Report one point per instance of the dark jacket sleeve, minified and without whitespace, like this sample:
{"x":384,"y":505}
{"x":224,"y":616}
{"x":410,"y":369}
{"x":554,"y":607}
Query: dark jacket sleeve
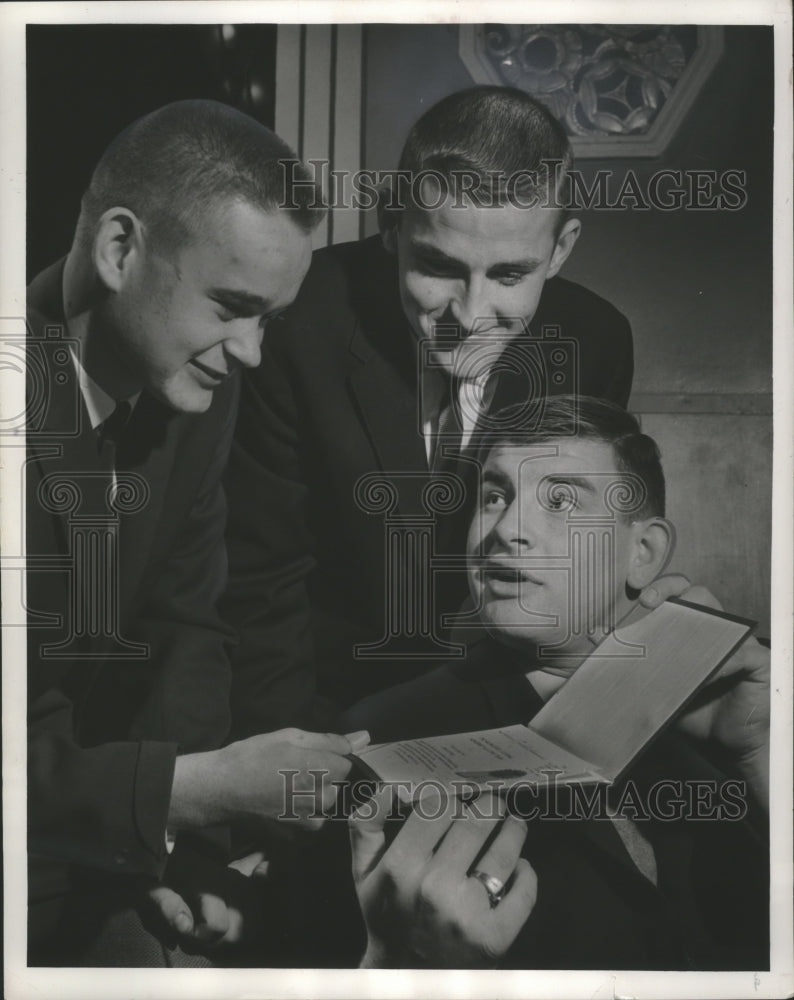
{"x":104,"y":807}
{"x":103,"y":736}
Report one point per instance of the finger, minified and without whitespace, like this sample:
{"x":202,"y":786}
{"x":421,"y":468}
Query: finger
{"x":235,"y":926}
{"x":212,"y":915}
{"x":172,"y":908}
{"x":331,"y":742}
{"x":365,"y":825}
{"x":426,"y":827}
{"x":751,"y":659}
{"x":469,"y":831}
{"x":672,"y":585}
{"x":501,"y":857}
{"x":249,"y":864}
{"x":358,"y":740}
{"x":519,"y":901}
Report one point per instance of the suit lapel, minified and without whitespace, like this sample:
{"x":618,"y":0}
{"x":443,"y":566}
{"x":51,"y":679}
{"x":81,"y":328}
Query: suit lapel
{"x":145,"y":455}
{"x":387,"y":400}
{"x":62,"y":443}
{"x":383,"y":382}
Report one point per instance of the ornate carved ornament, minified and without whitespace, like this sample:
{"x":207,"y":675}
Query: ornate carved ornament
{"x":617,"y":89}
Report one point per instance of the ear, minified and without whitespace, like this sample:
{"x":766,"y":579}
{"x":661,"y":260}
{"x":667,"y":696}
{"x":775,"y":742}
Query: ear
{"x":652,"y":545}
{"x":388,"y":216}
{"x":566,"y":241}
{"x":388,"y":221}
{"x":118,"y":243}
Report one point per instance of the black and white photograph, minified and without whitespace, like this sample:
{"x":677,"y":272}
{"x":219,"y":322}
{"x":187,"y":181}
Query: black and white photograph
{"x":396,"y":454}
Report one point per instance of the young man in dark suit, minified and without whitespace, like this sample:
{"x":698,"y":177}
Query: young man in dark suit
{"x":385,"y":369}
{"x":673,"y":880}
{"x":182,"y":252}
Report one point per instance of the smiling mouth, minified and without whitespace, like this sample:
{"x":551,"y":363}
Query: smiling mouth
{"x":211,"y":373}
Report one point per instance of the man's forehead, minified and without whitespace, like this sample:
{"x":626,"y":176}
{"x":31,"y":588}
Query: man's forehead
{"x":559,"y":456}
{"x":231,"y":221}
{"x":466,"y":222}
{"x":250,"y":250}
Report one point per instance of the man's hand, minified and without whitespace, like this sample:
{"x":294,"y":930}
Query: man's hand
{"x":731,"y":715}
{"x":420,"y":905}
{"x":287,"y":775}
{"x":201,"y":904}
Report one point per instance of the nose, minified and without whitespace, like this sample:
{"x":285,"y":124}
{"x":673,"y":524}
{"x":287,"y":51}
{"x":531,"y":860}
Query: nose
{"x":245,"y":345}
{"x":470,"y":307}
{"x":515,"y":530}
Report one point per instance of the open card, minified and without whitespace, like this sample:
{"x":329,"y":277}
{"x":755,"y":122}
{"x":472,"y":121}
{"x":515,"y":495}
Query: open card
{"x":624,"y":694}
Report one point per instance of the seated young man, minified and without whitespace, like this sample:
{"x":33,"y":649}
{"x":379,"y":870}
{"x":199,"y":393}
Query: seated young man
{"x":653,"y":888}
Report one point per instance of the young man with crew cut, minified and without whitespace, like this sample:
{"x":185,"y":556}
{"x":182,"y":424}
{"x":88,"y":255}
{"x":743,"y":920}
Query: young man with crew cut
{"x":181,"y":255}
{"x":386,"y":368}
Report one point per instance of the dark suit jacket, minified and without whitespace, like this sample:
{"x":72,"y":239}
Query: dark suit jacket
{"x":335,"y":399}
{"x":594,"y":908}
{"x":109,"y":712}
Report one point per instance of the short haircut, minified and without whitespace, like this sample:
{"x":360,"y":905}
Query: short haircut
{"x":568,"y":417}
{"x":501,"y":136}
{"x":171,"y":165}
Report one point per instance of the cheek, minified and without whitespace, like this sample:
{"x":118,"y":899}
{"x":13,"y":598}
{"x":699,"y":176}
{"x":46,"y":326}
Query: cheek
{"x":422,"y":294}
{"x":478,"y":532}
{"x":521,"y":300}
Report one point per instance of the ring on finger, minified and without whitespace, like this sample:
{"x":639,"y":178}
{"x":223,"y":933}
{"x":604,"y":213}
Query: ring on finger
{"x":494,"y":886}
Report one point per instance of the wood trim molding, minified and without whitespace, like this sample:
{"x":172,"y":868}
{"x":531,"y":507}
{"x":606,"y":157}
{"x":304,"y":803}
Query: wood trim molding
{"x":319,"y":112}
{"x":733,"y":403}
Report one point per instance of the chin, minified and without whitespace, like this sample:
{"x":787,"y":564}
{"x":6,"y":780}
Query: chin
{"x":191,"y":400}
{"x":443,"y":358}
{"x":508,"y":622}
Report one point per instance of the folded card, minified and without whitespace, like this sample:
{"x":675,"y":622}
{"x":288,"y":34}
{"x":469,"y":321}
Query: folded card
{"x":622,"y":696}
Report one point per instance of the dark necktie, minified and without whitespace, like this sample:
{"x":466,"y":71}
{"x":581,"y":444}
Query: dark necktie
{"x":448,"y":430}
{"x":109,"y":433}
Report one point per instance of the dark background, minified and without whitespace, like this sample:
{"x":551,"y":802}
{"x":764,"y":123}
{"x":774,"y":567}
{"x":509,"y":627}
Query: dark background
{"x":87,"y":82}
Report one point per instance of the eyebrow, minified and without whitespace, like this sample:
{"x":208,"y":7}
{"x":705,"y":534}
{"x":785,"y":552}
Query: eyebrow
{"x":432,"y":253}
{"x":493,"y":477}
{"x":240,"y":299}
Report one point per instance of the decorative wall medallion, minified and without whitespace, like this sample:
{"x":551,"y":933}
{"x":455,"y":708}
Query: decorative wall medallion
{"x":617,"y":89}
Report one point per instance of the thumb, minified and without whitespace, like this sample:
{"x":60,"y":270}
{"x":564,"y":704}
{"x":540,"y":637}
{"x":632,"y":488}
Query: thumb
{"x":172,"y":908}
{"x":367,"y":839}
{"x":332,"y":742}
{"x":656,"y":593}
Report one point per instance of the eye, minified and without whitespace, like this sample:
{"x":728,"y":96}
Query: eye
{"x":511,"y":278}
{"x":433,"y":270}
{"x":228,"y":314}
{"x":436,"y":268}
{"x":493,"y":499}
{"x":560,"y":497}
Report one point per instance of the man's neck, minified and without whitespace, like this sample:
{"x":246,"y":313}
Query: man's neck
{"x":550,"y":672}
{"x":83,"y":297}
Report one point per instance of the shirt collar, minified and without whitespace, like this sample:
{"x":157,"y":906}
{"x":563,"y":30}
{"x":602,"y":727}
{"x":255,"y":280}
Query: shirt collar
{"x":98,"y":403}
